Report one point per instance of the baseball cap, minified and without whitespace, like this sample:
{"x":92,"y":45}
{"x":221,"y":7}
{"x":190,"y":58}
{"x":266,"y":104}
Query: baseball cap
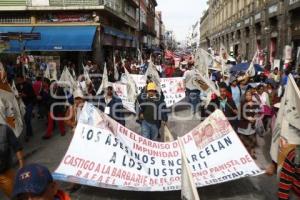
{"x":33,"y":179}
{"x":151,"y":86}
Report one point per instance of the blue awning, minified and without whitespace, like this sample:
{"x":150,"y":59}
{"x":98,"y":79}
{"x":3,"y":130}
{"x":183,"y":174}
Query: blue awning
{"x":14,"y":45}
{"x":66,"y":38}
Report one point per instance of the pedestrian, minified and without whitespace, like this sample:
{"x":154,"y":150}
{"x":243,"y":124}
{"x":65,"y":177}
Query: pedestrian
{"x":8,"y":142}
{"x":35,"y":182}
{"x":26,"y":91}
{"x":226,"y":104}
{"x":56,"y":110}
{"x":235,"y":91}
{"x":265,"y":105}
{"x":275,"y":75}
{"x":38,"y":87}
{"x":112,"y":105}
{"x":73,"y":112}
{"x":192,"y":90}
{"x":151,"y":111}
{"x":246,"y":126}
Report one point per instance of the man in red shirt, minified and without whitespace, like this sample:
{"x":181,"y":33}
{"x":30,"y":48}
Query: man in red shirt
{"x":290,"y":175}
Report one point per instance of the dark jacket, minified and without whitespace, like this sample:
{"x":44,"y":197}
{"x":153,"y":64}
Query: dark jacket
{"x":60,"y":102}
{"x":8,"y":142}
{"x":228,"y":111}
{"x":27,"y":89}
{"x":148,"y":107}
{"x":116,"y":108}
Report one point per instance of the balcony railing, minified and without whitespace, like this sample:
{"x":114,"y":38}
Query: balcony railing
{"x":76,"y":2}
{"x":114,"y":5}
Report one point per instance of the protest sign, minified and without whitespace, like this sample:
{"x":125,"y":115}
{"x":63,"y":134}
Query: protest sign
{"x":106,"y":154}
{"x":286,"y":129}
{"x":122,"y":92}
{"x":173,"y":89}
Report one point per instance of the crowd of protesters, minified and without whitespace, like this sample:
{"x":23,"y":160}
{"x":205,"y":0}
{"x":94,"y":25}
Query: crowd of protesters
{"x":250,"y":104}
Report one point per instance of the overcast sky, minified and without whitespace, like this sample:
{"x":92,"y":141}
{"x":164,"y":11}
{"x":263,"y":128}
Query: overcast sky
{"x":180,"y":15}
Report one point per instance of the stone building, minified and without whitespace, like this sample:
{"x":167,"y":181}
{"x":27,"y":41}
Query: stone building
{"x":244,"y":26}
{"x":89,"y":29}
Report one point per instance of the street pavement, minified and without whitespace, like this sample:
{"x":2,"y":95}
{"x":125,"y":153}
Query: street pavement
{"x":50,"y":153}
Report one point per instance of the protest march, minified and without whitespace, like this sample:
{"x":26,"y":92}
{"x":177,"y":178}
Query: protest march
{"x":128,"y":112}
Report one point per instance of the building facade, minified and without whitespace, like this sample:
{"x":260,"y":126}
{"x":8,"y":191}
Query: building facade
{"x":90,"y":29}
{"x":244,"y":26}
{"x":193,"y":39}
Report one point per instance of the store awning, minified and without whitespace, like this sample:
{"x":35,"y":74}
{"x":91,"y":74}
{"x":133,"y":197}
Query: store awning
{"x":117,"y":33}
{"x":15,"y":46}
{"x":66,"y":38}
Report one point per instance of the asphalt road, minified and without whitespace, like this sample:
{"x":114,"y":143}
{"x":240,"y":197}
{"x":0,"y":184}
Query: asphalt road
{"x":50,"y":152}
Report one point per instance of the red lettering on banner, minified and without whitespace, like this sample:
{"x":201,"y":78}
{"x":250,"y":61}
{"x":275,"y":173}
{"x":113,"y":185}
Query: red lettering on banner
{"x":246,"y":159}
{"x":79,"y":172}
{"x":187,"y":138}
{"x":226,"y":166}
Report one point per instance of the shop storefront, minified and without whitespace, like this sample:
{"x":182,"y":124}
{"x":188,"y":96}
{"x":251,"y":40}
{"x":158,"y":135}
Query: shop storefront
{"x":114,"y":39}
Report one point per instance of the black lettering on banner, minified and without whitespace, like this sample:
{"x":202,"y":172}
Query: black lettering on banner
{"x":98,"y":136}
{"x":90,"y":134}
{"x":113,"y":158}
{"x":108,"y":140}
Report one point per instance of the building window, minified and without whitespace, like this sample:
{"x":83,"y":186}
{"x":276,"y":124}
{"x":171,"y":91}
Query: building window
{"x":15,"y":20}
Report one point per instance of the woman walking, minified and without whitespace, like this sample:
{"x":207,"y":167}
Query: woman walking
{"x":246,"y":128}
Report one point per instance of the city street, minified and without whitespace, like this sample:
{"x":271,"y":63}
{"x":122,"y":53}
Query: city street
{"x":148,"y":66}
{"x":50,"y":152}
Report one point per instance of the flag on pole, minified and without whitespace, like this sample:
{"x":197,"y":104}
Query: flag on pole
{"x":188,"y":186}
{"x":153,"y":75}
{"x":291,"y":112}
{"x":287,"y":123}
{"x":140,"y":58}
{"x":168,"y":137}
{"x":67,"y":77}
{"x":116,"y":73}
{"x":224,"y":58}
{"x":47,"y":73}
{"x":203,"y":60}
{"x":104,"y":82}
{"x":251,"y":70}
{"x":132,"y":90}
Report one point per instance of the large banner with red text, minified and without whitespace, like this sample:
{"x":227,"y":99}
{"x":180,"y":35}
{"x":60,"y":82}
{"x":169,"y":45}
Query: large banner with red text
{"x":106,"y":154}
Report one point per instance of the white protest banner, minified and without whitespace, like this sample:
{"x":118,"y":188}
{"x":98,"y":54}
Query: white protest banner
{"x":122,"y":92}
{"x":139,"y":81}
{"x":291,"y":112}
{"x":286,"y":130}
{"x":188,"y":187}
{"x":173,"y":89}
{"x":106,"y":154}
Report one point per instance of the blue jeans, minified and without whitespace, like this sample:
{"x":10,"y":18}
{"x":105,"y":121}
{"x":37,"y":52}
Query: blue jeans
{"x":193,"y":97}
{"x":149,"y":130}
{"x":27,"y":119}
